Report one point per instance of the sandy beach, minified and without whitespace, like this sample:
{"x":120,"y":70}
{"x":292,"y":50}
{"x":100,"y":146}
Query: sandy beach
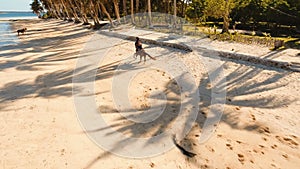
{"x":40,"y":128}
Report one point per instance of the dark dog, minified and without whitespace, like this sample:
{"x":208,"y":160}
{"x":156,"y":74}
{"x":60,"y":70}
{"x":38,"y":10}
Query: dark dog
{"x":21,"y":31}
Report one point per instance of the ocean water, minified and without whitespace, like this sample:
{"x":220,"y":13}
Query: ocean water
{"x":7,"y":35}
{"x":4,"y":15}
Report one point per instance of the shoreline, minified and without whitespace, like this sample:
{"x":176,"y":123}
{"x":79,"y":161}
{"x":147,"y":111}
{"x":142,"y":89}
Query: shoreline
{"x":8,"y":35}
{"x":17,"y":19}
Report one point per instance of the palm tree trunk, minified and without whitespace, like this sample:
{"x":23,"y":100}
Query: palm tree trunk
{"x":60,"y":9}
{"x":116,"y":6}
{"x":73,"y":11}
{"x":94,"y":15}
{"x":53,"y":10}
{"x":66,"y":10}
{"x":137,"y":5}
{"x":80,"y":5}
{"x":149,"y":13}
{"x":132,"y":12}
{"x":175,"y":13}
{"x":124,"y":10}
{"x":106,"y":13}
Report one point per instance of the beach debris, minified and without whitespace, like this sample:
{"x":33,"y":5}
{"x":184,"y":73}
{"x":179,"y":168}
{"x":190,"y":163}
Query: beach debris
{"x":183,"y":151}
{"x":278,"y":44}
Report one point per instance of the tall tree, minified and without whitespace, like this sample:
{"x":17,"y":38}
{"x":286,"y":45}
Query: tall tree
{"x":137,"y":5}
{"x":73,"y":10}
{"x":117,"y":11}
{"x":132,"y":12}
{"x":36,"y":7}
{"x":195,"y":10}
{"x":104,"y":10}
{"x":220,"y":9}
{"x":175,"y":13}
{"x":149,"y":13}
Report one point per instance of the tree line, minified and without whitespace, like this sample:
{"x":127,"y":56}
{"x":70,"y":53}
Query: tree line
{"x":271,"y":13}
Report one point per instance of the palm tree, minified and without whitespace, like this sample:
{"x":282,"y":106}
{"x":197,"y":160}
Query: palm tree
{"x":73,"y":10}
{"x":82,"y":6}
{"x":103,"y":8}
{"x":48,"y":4}
{"x":36,"y":8}
{"x":116,"y":6}
{"x":65,"y":9}
{"x":137,"y":3}
{"x":175,"y":13}
{"x":132,"y":12}
{"x":91,"y":7}
{"x":124,"y":10}
{"x":149,"y":13}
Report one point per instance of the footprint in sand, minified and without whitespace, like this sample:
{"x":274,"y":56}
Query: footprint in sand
{"x":264,"y":138}
{"x":210,"y":149}
{"x":274,"y":146}
{"x":239,"y":142}
{"x":241,"y":158}
{"x":229,"y":146}
{"x":288,"y":141}
{"x":264,"y":130}
{"x":285,"y":156}
{"x":257,"y":151}
{"x":253,"y":117}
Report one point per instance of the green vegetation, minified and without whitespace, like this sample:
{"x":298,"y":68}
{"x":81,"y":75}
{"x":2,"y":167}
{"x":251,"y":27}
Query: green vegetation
{"x":265,"y":18}
{"x":36,"y":7}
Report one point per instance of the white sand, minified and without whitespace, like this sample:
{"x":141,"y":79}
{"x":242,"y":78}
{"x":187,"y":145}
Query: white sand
{"x":39,"y":126}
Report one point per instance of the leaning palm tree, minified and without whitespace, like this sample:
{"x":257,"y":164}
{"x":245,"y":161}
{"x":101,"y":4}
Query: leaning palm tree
{"x":66,"y":10}
{"x":49,"y":6}
{"x":117,"y":12}
{"x":82,"y":5}
{"x":103,"y":9}
{"x":93,"y":7}
{"x":73,"y":11}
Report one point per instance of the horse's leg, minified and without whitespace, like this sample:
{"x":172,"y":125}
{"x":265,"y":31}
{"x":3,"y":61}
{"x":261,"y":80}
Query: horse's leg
{"x":140,"y":58}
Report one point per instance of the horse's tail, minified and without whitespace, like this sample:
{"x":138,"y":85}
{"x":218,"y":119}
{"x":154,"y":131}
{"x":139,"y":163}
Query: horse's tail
{"x":153,"y":58}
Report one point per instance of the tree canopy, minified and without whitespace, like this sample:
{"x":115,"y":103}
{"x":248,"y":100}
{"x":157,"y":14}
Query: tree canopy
{"x":245,"y":12}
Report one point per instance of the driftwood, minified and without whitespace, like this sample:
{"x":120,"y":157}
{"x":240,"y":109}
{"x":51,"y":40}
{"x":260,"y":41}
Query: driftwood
{"x":258,"y":60}
{"x":278,"y":44}
{"x":150,"y":41}
{"x":228,"y":55}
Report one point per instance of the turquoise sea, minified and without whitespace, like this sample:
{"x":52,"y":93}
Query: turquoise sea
{"x":7,"y":35}
{"x":11,"y":15}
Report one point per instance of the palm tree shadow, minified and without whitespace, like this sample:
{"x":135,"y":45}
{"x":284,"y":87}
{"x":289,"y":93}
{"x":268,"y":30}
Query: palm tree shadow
{"x":242,"y":81}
